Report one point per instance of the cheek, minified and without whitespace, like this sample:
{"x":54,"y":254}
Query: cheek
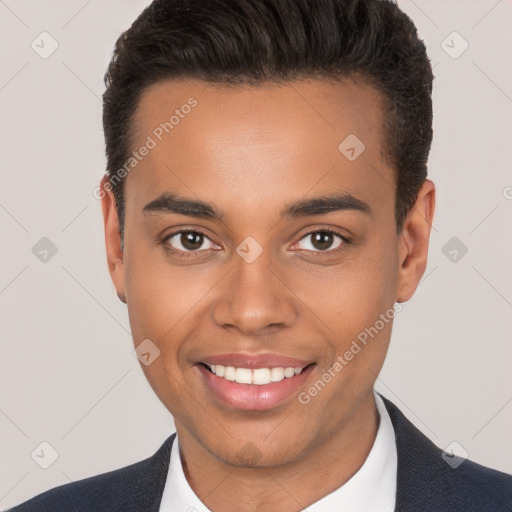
{"x":164,"y":302}
{"x":350,"y":299}
{"x":355,"y":292}
{"x":161,"y":296}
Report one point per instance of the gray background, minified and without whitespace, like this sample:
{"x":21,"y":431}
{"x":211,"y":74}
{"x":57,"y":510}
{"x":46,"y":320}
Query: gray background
{"x":67,"y":372}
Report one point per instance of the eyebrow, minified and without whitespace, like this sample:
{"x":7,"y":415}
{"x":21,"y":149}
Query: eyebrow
{"x":174,"y":203}
{"x":325,"y":204}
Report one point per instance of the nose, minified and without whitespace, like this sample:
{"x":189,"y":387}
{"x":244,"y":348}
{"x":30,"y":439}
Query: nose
{"x":254,"y":299}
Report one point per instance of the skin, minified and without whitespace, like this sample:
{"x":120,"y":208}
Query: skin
{"x":250,"y":152}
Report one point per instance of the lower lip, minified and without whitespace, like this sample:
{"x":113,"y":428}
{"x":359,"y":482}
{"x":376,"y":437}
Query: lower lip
{"x":252,"y":396}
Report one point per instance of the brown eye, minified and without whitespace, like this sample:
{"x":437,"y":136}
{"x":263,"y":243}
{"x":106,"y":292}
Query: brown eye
{"x":321,"y":241}
{"x":190,"y":241}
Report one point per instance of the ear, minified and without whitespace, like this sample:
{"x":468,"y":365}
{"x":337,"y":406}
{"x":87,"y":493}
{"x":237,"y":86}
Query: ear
{"x":112,"y":238}
{"x":413,"y":242}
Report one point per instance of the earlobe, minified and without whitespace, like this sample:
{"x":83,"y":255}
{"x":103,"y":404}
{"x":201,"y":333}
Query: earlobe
{"x":115,"y":258}
{"x":413,"y":242}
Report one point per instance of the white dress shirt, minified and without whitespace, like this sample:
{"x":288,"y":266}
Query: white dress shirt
{"x":372,"y":488}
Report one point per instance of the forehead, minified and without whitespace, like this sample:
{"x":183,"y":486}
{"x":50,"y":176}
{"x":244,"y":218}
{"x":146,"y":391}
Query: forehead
{"x":222,"y":143}
{"x":322,"y":106}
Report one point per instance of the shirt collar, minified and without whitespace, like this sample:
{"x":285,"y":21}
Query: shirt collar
{"x":378,"y":474}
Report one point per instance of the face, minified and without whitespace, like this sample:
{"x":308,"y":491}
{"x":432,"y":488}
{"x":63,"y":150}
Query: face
{"x":253,"y":241}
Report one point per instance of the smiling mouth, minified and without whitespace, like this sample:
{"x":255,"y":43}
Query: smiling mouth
{"x":254,"y":376}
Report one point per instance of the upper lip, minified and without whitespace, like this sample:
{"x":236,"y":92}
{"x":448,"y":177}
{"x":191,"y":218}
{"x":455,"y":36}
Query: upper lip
{"x":266,"y":360}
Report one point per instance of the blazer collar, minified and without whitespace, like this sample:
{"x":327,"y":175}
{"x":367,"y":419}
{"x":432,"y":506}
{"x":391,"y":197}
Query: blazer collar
{"x":420,"y":467}
{"x":421,"y":473}
{"x":151,"y":480}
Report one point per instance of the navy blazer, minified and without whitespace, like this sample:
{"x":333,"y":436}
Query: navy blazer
{"x":425,"y":482}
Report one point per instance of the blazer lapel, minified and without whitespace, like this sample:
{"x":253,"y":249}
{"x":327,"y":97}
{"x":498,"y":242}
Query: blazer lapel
{"x":423,"y":478}
{"x":147,"y":488}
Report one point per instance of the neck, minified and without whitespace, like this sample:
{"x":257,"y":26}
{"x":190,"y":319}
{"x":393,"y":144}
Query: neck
{"x":289,"y":487}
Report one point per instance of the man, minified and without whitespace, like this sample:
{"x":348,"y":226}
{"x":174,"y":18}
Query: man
{"x":266,"y":212}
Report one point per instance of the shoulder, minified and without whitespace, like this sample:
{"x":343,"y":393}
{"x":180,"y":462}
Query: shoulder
{"x":135,"y":487}
{"x":427,"y":480}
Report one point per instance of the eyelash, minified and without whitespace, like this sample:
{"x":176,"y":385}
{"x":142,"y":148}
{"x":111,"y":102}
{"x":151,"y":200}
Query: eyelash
{"x":189,"y":254}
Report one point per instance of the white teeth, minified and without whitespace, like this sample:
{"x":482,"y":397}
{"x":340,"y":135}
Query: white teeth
{"x":289,"y":372}
{"x":243,"y":376}
{"x":276,"y":374}
{"x":259,"y":376}
{"x":229,"y":373}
